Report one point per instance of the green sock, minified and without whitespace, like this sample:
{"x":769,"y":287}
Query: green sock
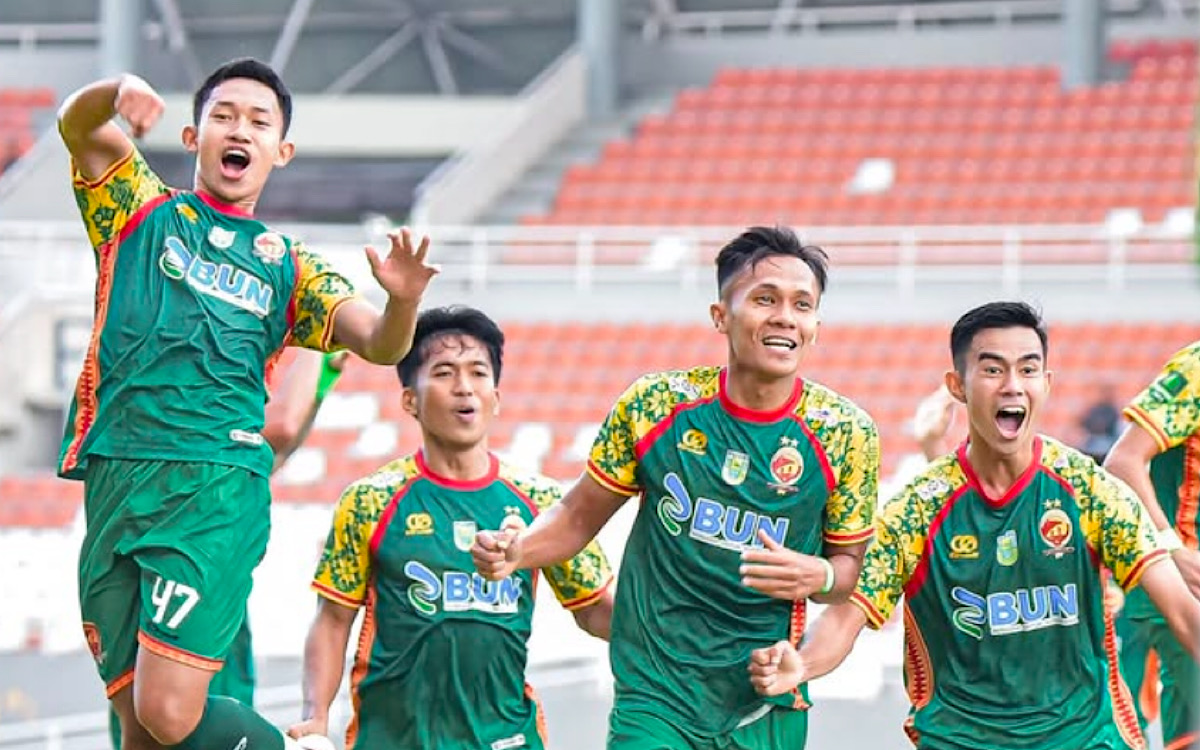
{"x":226,"y":723}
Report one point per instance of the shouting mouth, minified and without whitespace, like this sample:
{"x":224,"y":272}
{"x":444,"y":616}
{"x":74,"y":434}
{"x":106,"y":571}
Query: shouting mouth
{"x":1010,"y":419}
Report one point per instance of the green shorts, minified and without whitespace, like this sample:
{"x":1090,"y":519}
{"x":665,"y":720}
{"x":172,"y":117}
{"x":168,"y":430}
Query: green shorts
{"x":1179,"y":701}
{"x":167,"y":561}
{"x":638,"y":730}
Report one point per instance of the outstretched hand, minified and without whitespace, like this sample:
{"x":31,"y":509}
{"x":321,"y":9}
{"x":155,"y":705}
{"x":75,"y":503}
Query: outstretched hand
{"x":403,"y":272}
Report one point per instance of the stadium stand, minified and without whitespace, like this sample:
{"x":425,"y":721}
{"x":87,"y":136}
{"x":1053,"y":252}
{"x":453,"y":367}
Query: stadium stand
{"x":963,"y":145}
{"x":19,"y":108}
{"x":560,"y":378}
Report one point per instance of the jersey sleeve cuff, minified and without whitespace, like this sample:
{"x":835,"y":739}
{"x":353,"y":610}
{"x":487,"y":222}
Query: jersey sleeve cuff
{"x":1142,"y":419}
{"x":337,"y":597}
{"x":875,"y":618}
{"x":845,"y":538}
{"x":79,"y":180}
{"x":1138,"y":568}
{"x":590,"y":598}
{"x":608,"y":482}
{"x":327,"y":333}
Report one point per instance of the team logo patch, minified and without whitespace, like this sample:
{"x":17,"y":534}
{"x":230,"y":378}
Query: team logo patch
{"x":221,"y":237}
{"x":1006,"y":548}
{"x":693,"y":441}
{"x":269,"y":247}
{"x":787,"y":465}
{"x":187,"y":212}
{"x":464,"y":534}
{"x":1056,"y":530}
{"x":964,"y":547}
{"x":418,"y":524}
{"x":92,"y":635}
{"x":1169,"y":386}
{"x":737,"y":466}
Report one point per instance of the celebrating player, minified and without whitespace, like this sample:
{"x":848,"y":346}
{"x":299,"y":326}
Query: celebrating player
{"x":1157,"y":456}
{"x":441,"y":658}
{"x":194,"y":298}
{"x":997,"y":549}
{"x":758,"y":489}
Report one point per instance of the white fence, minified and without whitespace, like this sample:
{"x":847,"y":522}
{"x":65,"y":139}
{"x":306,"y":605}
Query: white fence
{"x":53,"y":258}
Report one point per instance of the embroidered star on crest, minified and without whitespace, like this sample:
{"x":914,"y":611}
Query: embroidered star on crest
{"x":1052,"y":503}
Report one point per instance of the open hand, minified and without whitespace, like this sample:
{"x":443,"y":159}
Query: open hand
{"x":403,"y":272}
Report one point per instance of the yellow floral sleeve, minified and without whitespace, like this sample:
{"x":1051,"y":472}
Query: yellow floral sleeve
{"x":584,"y":578}
{"x":320,"y":291}
{"x":106,"y":204}
{"x":853,"y":451}
{"x":1115,"y":522}
{"x":1169,"y":408}
{"x":613,"y":461}
{"x":345,"y":564}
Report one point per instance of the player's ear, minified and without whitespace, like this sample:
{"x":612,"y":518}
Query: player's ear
{"x":287,"y":150}
{"x":191,"y":138}
{"x":954,"y":384}
{"x":408,"y":401}
{"x":717,"y":311}
{"x":496,"y":404}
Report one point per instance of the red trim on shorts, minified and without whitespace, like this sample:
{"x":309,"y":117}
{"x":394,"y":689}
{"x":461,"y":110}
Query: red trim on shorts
{"x":167,"y":651}
{"x":117,"y":685}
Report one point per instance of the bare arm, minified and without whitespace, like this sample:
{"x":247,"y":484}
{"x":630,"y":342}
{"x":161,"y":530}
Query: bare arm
{"x":1165,"y":587}
{"x":779,"y":669}
{"x":558,"y":534}
{"x":324,"y":662}
{"x":1129,"y":461}
{"x":596,"y":618}
{"x":85,"y":121}
{"x":293,"y":406}
{"x":384,"y":338}
{"x":846,"y":560}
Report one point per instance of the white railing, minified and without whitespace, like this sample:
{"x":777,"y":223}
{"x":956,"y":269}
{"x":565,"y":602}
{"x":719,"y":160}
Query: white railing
{"x":789,"y":17}
{"x":465,"y":185}
{"x":52,"y":258}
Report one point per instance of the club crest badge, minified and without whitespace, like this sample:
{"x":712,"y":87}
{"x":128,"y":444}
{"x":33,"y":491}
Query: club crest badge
{"x":464,"y":534}
{"x":269,"y":247}
{"x":1056,"y":530}
{"x":737,"y":466}
{"x":221,"y":238}
{"x":1007,"y":553}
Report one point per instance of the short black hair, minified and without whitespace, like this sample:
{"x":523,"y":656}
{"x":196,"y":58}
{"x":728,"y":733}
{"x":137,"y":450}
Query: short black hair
{"x":455,"y":320}
{"x":245,"y":67}
{"x":758,"y":243}
{"x":994,"y":315}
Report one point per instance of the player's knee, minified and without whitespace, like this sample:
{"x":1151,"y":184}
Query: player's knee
{"x":169,"y":717}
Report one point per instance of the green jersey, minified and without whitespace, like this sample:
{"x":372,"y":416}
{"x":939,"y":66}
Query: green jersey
{"x":713,"y":477}
{"x":194,"y":301}
{"x":441,"y":657}
{"x":1007,"y":640}
{"x":1169,"y":409}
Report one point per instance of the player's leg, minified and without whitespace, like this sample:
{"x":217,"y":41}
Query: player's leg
{"x":129,"y":734}
{"x":638,"y":730}
{"x":780,"y":728}
{"x":1180,"y":688}
{"x":109,"y":583}
{"x":206,"y":529}
{"x":236,"y":679}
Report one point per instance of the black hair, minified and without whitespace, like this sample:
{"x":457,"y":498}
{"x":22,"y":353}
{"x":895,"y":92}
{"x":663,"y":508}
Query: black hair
{"x":758,"y":243}
{"x":993,"y":315}
{"x":245,"y":67}
{"x":455,"y":320}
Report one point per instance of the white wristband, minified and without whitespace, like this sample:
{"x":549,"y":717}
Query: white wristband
{"x":829,"y":579}
{"x":1169,"y":540}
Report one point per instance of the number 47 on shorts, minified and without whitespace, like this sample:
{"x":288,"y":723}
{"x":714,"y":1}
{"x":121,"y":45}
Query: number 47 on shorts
{"x":173,"y":599}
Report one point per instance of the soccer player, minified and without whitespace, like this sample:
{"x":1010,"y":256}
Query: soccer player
{"x":997,"y":549}
{"x":194,"y":299}
{"x":441,"y":657}
{"x":1158,"y":455}
{"x":289,"y":416}
{"x":758,"y":490}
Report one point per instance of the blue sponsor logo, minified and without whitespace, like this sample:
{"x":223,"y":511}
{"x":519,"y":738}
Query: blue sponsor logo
{"x":713,"y":523}
{"x":219,"y":280}
{"x":456,"y":591}
{"x":1007,"y":612}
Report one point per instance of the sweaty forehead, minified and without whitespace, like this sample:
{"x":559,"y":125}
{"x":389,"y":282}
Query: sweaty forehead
{"x":245,"y":92}
{"x":454,"y":347}
{"x":1012,"y":342}
{"x":783,"y":272}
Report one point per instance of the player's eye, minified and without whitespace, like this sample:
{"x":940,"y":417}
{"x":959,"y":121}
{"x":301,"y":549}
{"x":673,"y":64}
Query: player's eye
{"x":765,"y":299}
